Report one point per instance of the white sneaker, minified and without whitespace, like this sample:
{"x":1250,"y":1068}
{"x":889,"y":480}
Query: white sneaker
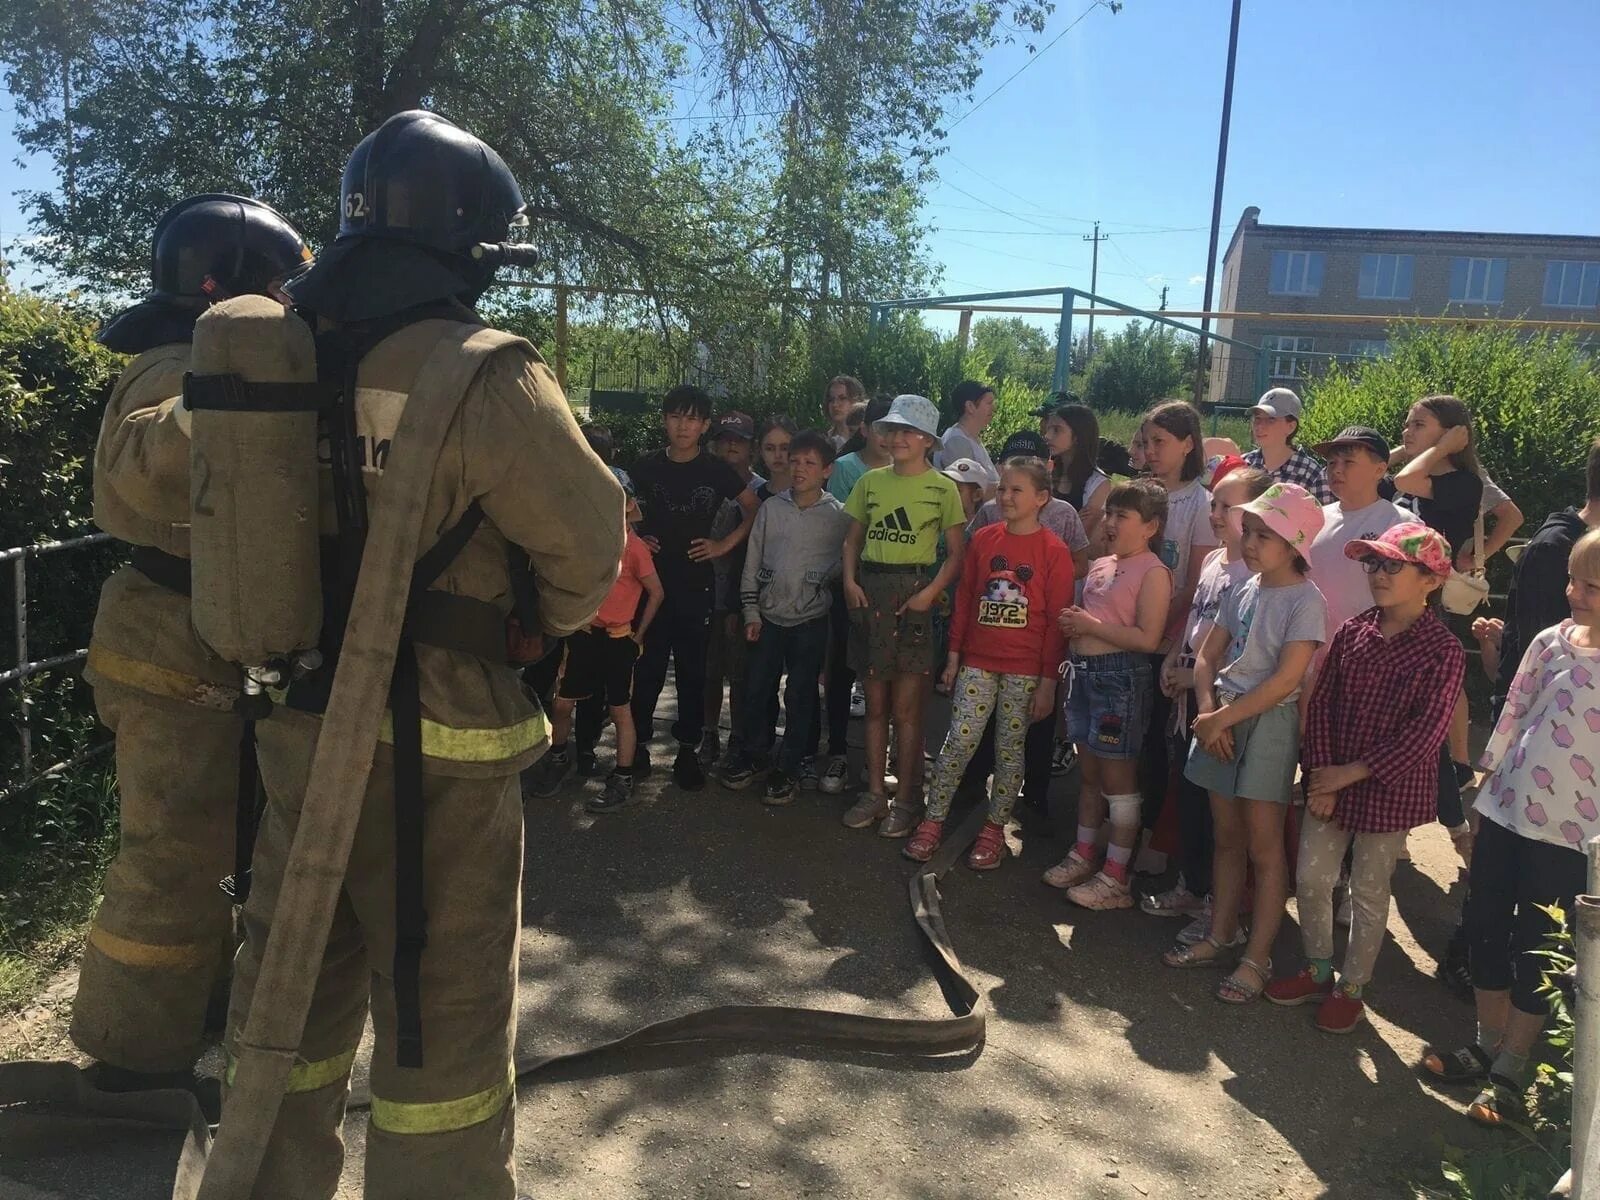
{"x":836,"y":776}
{"x":858,"y":702}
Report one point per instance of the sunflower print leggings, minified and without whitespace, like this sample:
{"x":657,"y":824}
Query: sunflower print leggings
{"x":977,"y":695}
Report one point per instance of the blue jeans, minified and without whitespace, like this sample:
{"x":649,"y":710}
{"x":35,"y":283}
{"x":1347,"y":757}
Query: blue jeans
{"x":801,"y":649}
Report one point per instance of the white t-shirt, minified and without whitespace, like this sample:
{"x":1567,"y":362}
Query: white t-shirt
{"x":957,"y":444}
{"x":1342,"y":581}
{"x":1188,"y":530}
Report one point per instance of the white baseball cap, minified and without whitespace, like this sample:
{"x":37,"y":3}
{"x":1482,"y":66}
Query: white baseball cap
{"x":913,"y":412}
{"x":970,"y":470}
{"x":1278,"y":402}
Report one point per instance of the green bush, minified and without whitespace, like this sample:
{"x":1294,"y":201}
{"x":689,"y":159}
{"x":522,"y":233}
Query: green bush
{"x":54,"y":379}
{"x":1535,"y":403}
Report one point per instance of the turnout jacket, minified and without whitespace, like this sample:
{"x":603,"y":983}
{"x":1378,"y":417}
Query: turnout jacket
{"x":141,"y":496}
{"x":514,"y":448}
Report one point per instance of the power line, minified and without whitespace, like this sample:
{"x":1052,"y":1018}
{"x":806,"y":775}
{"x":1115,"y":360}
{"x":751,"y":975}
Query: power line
{"x":1110,"y":4}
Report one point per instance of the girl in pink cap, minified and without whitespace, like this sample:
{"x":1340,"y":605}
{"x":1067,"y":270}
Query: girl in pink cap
{"x":1247,"y":677}
{"x":1377,"y":718}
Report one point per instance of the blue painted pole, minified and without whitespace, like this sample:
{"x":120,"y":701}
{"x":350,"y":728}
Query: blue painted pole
{"x":1064,"y":342}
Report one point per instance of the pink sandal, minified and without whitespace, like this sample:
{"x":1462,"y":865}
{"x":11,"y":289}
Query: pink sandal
{"x":989,"y":848}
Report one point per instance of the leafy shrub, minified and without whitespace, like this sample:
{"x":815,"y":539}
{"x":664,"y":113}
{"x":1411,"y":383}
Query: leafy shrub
{"x":1535,"y":403}
{"x":54,"y":379}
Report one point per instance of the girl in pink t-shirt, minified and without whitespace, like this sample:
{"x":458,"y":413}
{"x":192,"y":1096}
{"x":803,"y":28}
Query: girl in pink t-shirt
{"x":1109,"y":690}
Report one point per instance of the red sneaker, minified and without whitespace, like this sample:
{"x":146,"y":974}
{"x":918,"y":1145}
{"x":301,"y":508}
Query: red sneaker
{"x":1340,"y":1012}
{"x":1298,"y":989}
{"x":925,"y":841}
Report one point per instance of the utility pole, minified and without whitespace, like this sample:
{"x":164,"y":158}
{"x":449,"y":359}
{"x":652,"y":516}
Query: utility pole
{"x":1216,"y":202}
{"x":1163,"y":307}
{"x":1094,"y":283}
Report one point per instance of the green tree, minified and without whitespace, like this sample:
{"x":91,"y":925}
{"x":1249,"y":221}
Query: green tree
{"x":1143,"y":363}
{"x":1535,"y":402}
{"x":1011,"y":349}
{"x":804,"y":185}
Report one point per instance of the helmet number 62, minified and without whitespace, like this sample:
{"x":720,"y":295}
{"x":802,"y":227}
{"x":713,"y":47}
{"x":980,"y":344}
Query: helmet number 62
{"x":355,"y":205}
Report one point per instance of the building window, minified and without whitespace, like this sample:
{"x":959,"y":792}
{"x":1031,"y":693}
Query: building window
{"x":1572,"y":284}
{"x":1296,"y":273}
{"x":1478,"y":281}
{"x":1369,"y":347}
{"x":1283,"y":352}
{"x":1385,"y":277}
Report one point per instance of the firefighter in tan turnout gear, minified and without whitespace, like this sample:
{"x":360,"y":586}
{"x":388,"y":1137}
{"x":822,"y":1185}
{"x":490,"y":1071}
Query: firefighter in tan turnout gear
{"x":426,"y":925}
{"x":160,"y":943}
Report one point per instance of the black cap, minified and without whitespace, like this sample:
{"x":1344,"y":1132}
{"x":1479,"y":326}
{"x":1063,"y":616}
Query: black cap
{"x":1024,"y":444}
{"x":1356,"y":435}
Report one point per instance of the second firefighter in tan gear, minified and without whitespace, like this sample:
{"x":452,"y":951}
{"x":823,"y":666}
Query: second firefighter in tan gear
{"x":162,"y":937}
{"x":514,"y":452}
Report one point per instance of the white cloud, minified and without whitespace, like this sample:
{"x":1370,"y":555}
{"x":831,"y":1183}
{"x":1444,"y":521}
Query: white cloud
{"x":1196,"y":280}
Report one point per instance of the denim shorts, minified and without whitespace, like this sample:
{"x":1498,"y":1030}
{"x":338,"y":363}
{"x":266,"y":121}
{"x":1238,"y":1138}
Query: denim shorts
{"x":1107,"y":708}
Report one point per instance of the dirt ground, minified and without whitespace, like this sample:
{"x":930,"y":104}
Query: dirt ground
{"x":1104,"y":1074}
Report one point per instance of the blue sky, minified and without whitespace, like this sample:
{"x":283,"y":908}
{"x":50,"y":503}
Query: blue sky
{"x":1457,"y":114}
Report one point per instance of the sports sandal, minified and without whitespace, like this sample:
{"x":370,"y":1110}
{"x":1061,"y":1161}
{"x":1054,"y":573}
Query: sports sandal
{"x":1236,"y":989}
{"x":1174,"y":902}
{"x":924,"y":843}
{"x":1502,"y":1102}
{"x":989,"y":848}
{"x":1183,"y":957}
{"x":1468,"y":1064}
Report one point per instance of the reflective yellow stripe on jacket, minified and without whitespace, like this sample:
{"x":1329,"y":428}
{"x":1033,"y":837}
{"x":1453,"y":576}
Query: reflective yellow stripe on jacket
{"x":310,"y":1076}
{"x":160,"y":681}
{"x":443,"y":1116}
{"x":474,"y":745}
{"x":183,"y":955}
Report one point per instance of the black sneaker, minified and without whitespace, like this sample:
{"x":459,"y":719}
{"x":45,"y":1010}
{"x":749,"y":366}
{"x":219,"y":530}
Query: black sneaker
{"x":780,"y":788}
{"x":686,"y":770}
{"x":617,"y":796}
{"x":641,"y":763}
{"x":710,"y":749}
{"x":588,"y":764}
{"x":549,"y":773}
{"x":736,"y":773}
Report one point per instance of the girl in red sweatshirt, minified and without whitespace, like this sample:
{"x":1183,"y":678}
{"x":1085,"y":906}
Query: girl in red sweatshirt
{"x":1006,"y":649}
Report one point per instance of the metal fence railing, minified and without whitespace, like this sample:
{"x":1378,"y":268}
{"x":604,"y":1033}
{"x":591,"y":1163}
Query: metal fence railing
{"x":27,"y":666}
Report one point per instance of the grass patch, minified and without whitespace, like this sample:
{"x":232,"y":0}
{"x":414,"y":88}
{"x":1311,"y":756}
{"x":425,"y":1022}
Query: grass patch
{"x":49,"y":893}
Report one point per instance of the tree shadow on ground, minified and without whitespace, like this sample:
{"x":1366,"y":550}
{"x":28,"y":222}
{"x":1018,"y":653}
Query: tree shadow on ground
{"x":693,"y":900}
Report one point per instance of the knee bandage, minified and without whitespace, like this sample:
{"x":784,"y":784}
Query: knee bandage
{"x":1124,"y":811}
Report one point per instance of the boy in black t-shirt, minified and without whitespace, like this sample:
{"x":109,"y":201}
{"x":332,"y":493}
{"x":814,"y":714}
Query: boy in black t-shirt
{"x":681,"y":490}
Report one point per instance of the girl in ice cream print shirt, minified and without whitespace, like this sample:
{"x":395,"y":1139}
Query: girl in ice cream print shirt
{"x":1540,"y":805}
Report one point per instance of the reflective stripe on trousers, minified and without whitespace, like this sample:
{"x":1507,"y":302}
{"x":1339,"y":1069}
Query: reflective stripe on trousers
{"x":311,"y":1076}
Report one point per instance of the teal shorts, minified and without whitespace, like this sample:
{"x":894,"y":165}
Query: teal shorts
{"x":1266,"y":751}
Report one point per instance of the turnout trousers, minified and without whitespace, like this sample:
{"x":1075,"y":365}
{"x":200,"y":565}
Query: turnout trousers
{"x":445,"y":1128}
{"x":163,"y":936}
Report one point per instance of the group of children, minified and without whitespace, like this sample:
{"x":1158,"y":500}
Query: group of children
{"x":1289,"y":652}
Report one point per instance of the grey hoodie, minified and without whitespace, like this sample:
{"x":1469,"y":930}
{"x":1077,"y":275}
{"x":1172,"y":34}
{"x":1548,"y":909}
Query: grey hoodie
{"x":795,"y":554}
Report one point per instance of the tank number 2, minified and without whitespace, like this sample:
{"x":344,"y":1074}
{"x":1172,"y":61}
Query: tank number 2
{"x":355,"y":205}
